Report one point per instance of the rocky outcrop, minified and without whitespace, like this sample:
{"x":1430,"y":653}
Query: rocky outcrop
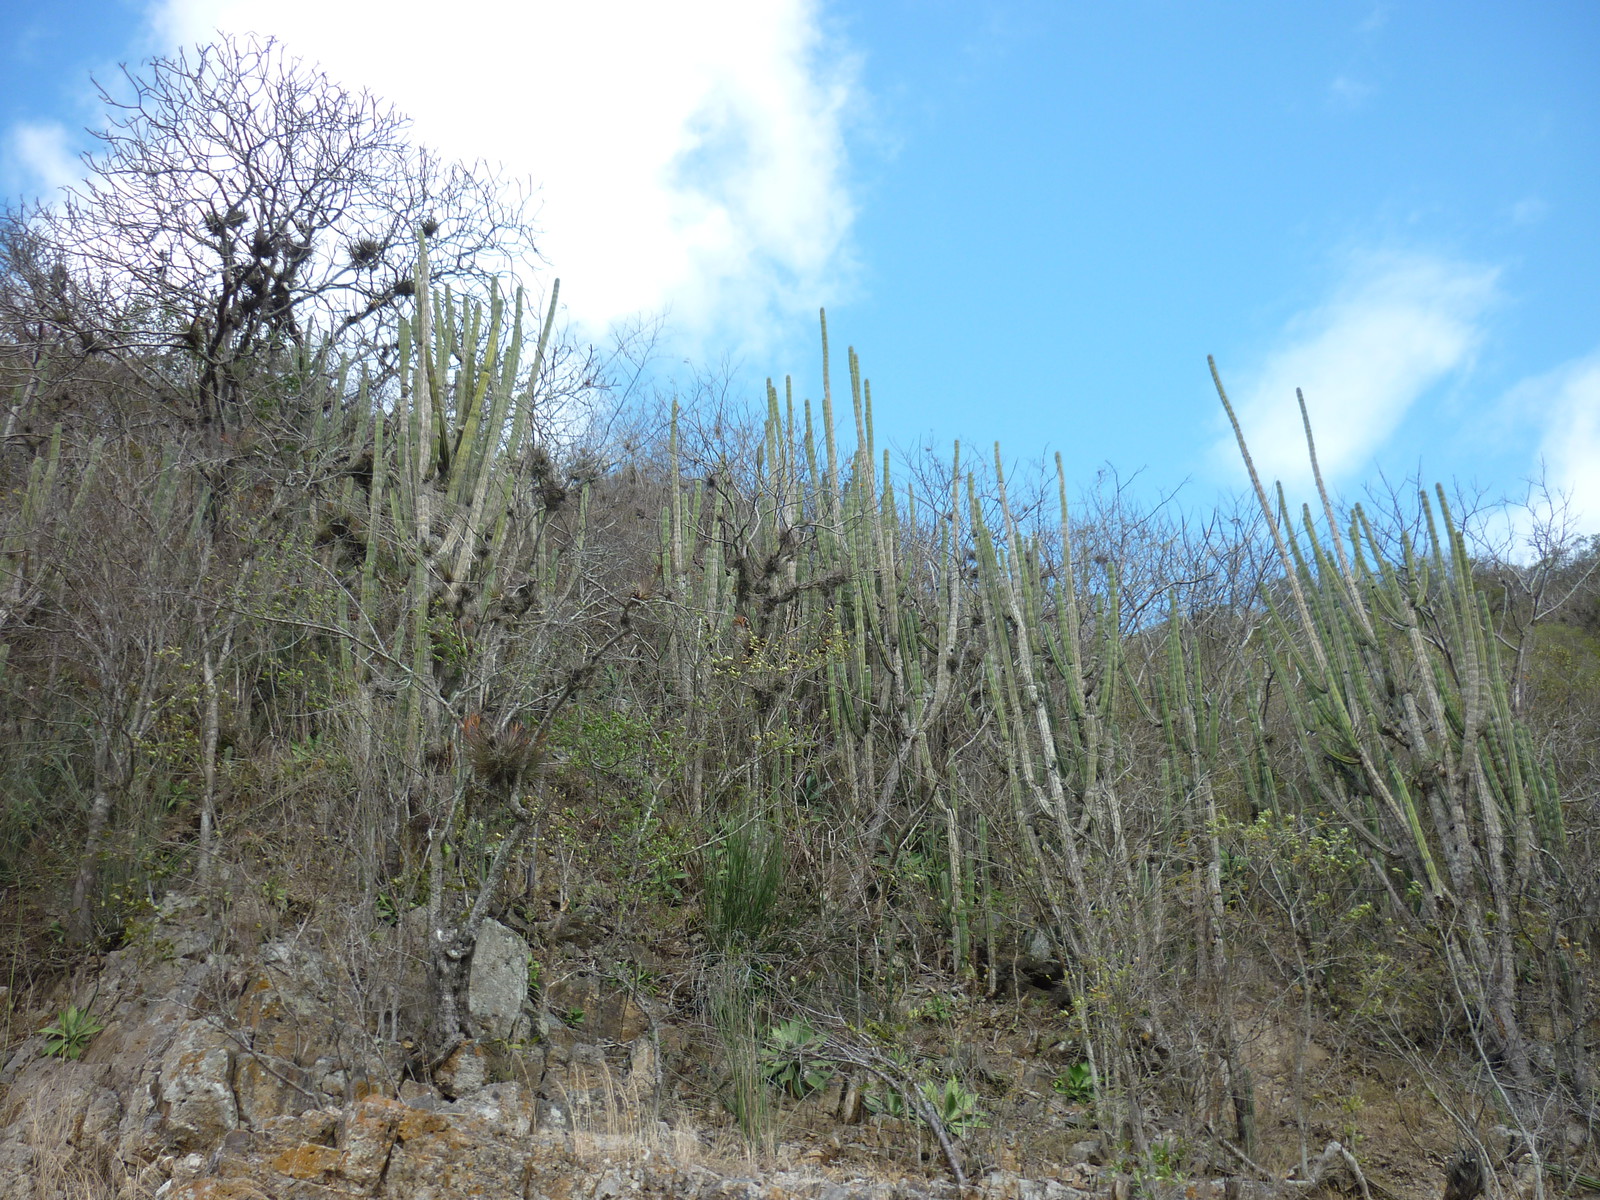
{"x":282,"y":1073}
{"x":205,"y":1050}
{"x":497,"y":987}
{"x":286,"y":1073}
{"x":490,"y":1147}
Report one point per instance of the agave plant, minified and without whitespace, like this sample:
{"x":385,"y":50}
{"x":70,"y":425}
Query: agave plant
{"x":71,"y":1034}
{"x":789,"y":1060}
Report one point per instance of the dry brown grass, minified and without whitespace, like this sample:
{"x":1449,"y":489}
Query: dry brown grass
{"x":65,"y":1165}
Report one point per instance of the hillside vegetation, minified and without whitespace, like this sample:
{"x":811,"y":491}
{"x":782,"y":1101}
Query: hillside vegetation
{"x":412,"y":613}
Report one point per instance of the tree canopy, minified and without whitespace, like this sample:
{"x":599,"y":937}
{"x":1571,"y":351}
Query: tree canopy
{"x":239,"y":204}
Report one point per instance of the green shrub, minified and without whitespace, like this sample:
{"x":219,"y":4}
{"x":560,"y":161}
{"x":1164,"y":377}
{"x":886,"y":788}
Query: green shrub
{"x":1077,"y":1084}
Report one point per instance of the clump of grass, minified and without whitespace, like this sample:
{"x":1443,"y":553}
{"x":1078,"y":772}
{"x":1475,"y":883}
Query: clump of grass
{"x":61,"y":1166}
{"x":744,"y":875}
{"x":734,"y":1003}
{"x":743,"y":880}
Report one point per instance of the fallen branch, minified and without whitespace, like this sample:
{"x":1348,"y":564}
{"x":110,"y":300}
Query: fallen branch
{"x":875,"y":1064}
{"x":1334,"y":1153}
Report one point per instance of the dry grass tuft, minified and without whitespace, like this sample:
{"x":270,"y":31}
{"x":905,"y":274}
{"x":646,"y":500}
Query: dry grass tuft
{"x":64,"y":1164}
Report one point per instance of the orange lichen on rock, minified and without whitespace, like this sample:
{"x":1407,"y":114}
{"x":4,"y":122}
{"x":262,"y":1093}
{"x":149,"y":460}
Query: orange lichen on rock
{"x":416,"y":1122}
{"x":307,"y":1161}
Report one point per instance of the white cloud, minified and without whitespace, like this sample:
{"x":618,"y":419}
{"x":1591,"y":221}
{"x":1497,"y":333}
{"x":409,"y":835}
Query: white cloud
{"x":1565,"y":403}
{"x":42,"y":153}
{"x":1375,"y":20}
{"x":1348,"y":93}
{"x":1396,"y":327}
{"x":690,"y":156}
{"x":1530,"y":210}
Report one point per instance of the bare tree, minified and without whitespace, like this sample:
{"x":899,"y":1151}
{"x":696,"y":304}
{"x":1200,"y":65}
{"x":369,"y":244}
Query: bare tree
{"x":249,"y":206}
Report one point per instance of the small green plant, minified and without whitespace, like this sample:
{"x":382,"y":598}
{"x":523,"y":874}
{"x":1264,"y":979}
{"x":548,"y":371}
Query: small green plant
{"x":1077,"y":1084}
{"x":788,"y":1061}
{"x":936,"y":1009}
{"x":633,"y":978}
{"x":886,"y":1102}
{"x":1350,"y":1131}
{"x":141,"y":929}
{"x":70,"y":1036}
{"x":572,"y":1017}
{"x":1164,"y":1164}
{"x":535,"y":974}
{"x":956,"y":1107}
{"x":276,"y":893}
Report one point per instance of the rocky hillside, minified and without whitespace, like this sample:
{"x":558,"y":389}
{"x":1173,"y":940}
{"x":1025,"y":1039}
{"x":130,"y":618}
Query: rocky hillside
{"x":424,"y":759}
{"x":228,"y":1058}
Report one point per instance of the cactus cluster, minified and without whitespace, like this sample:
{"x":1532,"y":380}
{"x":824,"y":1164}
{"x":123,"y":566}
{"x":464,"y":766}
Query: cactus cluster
{"x":927,"y":709}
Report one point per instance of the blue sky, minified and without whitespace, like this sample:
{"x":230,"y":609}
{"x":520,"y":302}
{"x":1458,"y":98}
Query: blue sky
{"x":1034,"y":220}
